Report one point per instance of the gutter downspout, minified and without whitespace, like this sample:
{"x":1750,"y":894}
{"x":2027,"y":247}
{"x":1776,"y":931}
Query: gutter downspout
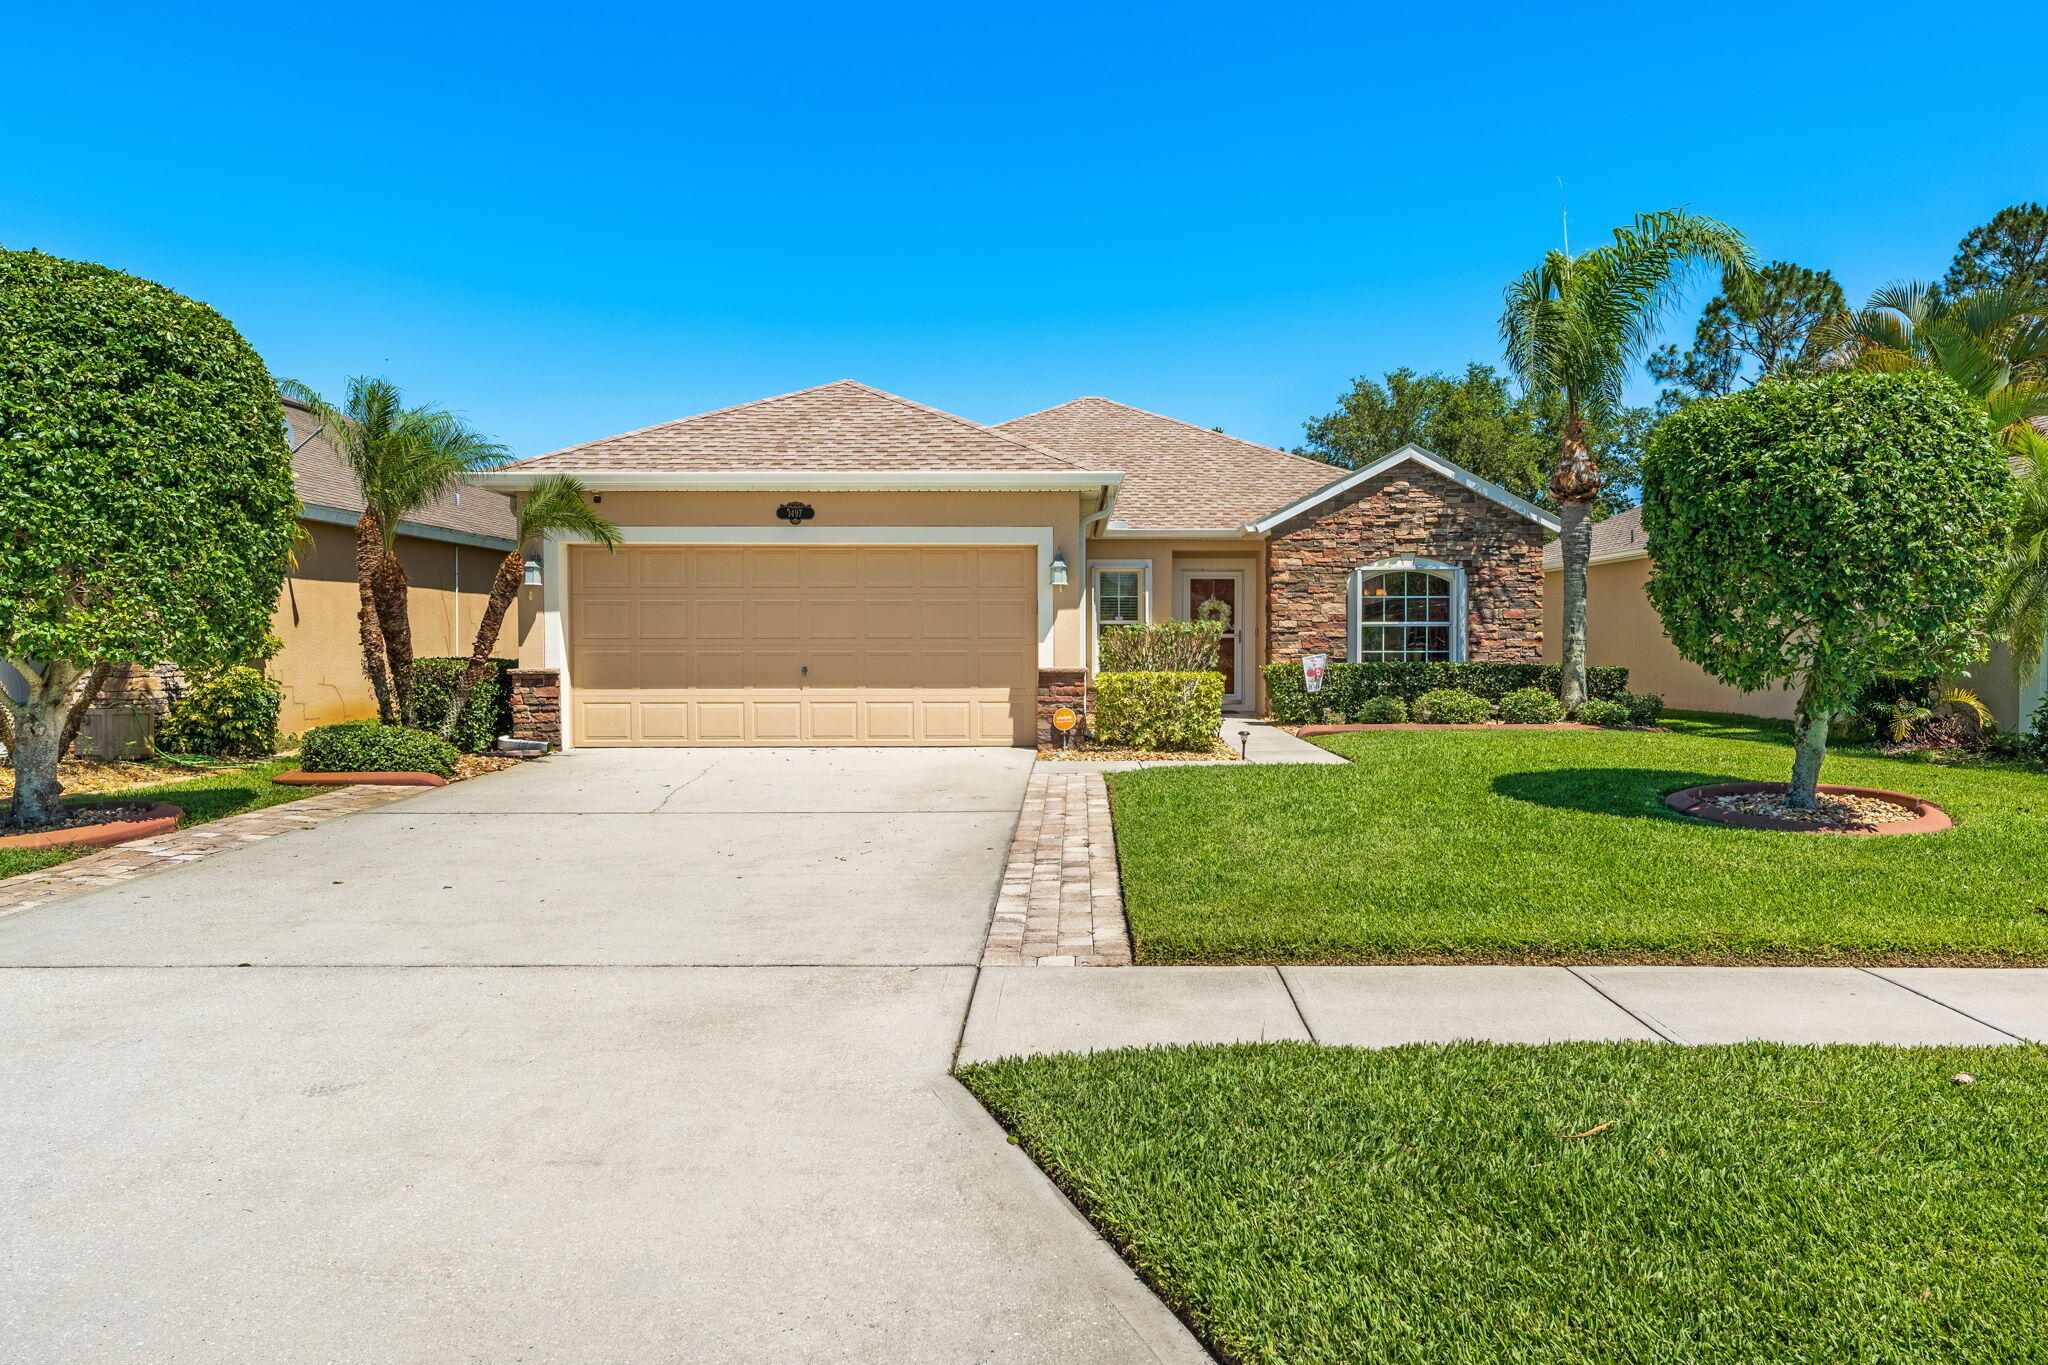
{"x":1088,"y":524}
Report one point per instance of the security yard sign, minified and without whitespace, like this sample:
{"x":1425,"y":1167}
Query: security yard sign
{"x":1312,"y":666}
{"x":1063,"y":719}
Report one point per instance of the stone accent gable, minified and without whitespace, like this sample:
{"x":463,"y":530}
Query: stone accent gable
{"x":1409,"y":510}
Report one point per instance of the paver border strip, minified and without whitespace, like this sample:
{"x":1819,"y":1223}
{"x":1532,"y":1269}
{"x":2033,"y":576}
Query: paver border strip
{"x":158,"y":819}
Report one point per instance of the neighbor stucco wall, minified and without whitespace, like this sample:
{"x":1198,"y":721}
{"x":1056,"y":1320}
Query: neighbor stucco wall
{"x":1622,"y":628}
{"x":1059,"y":513}
{"x":321,"y":663}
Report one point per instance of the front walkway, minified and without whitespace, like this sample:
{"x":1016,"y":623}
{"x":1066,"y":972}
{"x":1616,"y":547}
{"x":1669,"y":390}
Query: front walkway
{"x":613,"y":1057}
{"x":1020,"y":1011}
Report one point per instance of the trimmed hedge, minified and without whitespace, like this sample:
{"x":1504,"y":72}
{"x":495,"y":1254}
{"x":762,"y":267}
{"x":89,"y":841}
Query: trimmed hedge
{"x":229,"y":714}
{"x":368,"y":746}
{"x":1600,"y":711}
{"x":488,"y":713}
{"x":1180,"y":711}
{"x":1644,"y":708}
{"x":1451,"y":706}
{"x":1382,"y":711}
{"x":1530,"y":706}
{"x":1346,"y":687}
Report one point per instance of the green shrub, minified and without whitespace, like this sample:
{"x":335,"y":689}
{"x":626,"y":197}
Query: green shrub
{"x":1600,"y":711}
{"x":1162,"y":647}
{"x":368,"y":746}
{"x":1346,"y":685}
{"x":1451,"y":706}
{"x":229,"y":714}
{"x":488,"y":713}
{"x":1528,"y":706}
{"x":1644,"y":708}
{"x":1159,"y":710}
{"x":1382,"y":711}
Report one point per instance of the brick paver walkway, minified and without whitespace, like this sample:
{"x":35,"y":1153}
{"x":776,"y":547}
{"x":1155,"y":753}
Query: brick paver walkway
{"x":141,"y":858}
{"x":1061,"y":904}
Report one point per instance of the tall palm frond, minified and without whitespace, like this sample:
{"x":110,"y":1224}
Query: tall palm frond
{"x":560,"y":503}
{"x":2019,"y":600}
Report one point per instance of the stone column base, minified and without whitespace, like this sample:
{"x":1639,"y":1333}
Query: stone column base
{"x":536,"y":704}
{"x":1059,"y":687}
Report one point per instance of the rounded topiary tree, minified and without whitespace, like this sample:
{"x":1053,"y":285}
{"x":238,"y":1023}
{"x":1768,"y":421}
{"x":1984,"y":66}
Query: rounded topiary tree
{"x":146,"y":496}
{"x":1821,"y":532}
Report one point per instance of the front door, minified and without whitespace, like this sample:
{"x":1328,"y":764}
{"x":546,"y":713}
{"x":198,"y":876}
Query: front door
{"x":1227,"y":588}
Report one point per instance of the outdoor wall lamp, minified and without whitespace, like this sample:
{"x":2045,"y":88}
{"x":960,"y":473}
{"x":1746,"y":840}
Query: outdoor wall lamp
{"x":532,"y":578}
{"x":1059,"y":571}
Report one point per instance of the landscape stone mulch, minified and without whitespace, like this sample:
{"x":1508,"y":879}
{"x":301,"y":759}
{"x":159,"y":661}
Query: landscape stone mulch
{"x":1834,"y":812}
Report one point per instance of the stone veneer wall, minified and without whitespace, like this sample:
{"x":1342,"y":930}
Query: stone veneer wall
{"x":1059,"y":687}
{"x":1409,"y":510}
{"x":536,"y":704}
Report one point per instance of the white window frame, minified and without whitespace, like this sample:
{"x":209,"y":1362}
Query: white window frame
{"x":1354,"y":640}
{"x":1096,"y":568}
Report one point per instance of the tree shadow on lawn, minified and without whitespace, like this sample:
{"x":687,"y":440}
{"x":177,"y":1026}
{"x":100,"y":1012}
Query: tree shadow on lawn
{"x":1635,"y":792}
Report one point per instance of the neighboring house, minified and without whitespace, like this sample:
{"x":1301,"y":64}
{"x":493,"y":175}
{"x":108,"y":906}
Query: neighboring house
{"x":450,"y":553}
{"x":1623,"y":628}
{"x":843,"y":566}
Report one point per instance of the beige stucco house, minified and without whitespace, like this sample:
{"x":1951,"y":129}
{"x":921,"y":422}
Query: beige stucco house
{"x":1623,"y":628}
{"x":843,"y":566}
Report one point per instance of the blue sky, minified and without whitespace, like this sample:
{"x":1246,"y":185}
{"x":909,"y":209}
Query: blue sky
{"x":569,"y":221}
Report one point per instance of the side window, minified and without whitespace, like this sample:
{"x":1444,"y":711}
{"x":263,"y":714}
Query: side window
{"x":1119,"y":598}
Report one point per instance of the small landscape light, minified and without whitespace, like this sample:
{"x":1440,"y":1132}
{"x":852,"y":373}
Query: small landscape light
{"x":1244,"y":744}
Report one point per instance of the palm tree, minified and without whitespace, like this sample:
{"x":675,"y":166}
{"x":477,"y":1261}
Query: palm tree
{"x":402,"y":458}
{"x":2019,"y":602}
{"x":1573,"y":327}
{"x":554,"y":504}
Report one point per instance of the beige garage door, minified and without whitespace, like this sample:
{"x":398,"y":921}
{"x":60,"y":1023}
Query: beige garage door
{"x":745,"y":644}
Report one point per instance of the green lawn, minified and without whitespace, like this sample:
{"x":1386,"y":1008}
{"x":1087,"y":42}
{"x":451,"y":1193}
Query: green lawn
{"x":1555,"y":846}
{"x":201,"y":798}
{"x":1433,"y":1204}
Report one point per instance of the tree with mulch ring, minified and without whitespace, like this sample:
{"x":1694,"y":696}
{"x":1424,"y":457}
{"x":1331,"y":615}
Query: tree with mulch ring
{"x":1821,"y":533}
{"x":146,"y":485}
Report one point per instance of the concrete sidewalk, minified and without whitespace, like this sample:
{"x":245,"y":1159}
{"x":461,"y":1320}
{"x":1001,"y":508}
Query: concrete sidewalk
{"x":1024,"y":1010}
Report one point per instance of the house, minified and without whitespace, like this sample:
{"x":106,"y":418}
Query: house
{"x":843,"y":566}
{"x":450,"y":553}
{"x":1623,"y":628}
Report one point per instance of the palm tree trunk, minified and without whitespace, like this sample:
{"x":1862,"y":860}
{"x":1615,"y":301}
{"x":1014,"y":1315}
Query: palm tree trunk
{"x":392,"y":616}
{"x":1809,"y":747}
{"x":369,"y":555}
{"x":504,"y":587}
{"x":1575,"y":482}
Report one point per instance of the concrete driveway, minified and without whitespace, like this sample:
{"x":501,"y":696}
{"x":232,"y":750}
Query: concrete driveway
{"x":621,"y":1057}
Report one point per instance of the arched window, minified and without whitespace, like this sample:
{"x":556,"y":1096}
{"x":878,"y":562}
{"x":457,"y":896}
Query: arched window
{"x":1408,"y":608}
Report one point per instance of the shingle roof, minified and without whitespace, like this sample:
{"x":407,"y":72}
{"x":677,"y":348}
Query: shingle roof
{"x":841,"y":426}
{"x":1176,"y":474}
{"x":1619,"y":534}
{"x":324,"y":479}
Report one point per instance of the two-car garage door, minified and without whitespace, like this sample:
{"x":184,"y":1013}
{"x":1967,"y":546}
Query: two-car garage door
{"x":756,"y":644}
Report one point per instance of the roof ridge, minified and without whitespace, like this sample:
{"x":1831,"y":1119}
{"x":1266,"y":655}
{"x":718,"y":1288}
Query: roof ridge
{"x":1180,"y":422}
{"x":964,"y":421}
{"x":691,"y":417}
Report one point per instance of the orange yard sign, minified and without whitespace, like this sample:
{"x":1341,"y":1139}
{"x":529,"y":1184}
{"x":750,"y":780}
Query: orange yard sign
{"x":1063,"y":719}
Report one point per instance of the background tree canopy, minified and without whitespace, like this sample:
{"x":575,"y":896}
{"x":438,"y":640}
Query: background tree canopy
{"x":2010,"y":249}
{"x":1475,"y":420}
{"x":1760,"y":326}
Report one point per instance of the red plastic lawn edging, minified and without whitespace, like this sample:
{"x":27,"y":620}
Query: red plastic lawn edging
{"x":158,"y":819}
{"x":299,"y":778}
{"x":1695,"y":801}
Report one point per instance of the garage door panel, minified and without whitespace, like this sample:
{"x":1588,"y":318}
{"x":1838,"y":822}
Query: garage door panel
{"x":678,"y":645}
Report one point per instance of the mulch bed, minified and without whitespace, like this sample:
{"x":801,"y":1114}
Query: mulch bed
{"x":1841,"y":810}
{"x":91,"y":776}
{"x":1106,"y":753}
{"x":78,"y":817}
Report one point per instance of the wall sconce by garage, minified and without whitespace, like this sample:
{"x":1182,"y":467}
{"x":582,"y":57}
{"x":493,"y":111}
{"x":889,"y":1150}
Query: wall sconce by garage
{"x":796,"y":513}
{"x":532,"y":578}
{"x":1059,"y":571}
